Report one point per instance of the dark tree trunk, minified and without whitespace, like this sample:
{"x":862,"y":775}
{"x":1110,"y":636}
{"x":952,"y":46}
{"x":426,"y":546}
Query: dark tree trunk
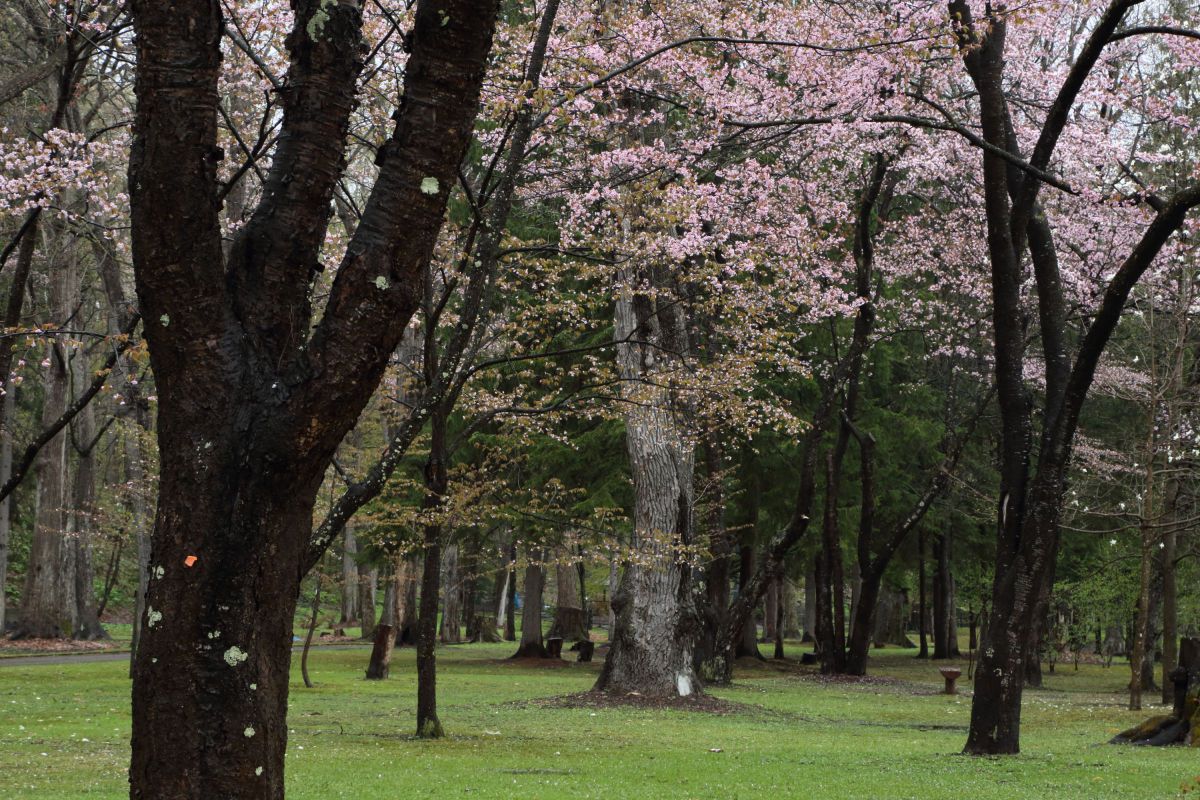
{"x":779,"y":619}
{"x":510,"y":608}
{"x":1029,"y":505}
{"x":1170,"y":613}
{"x":308,"y":636}
{"x":810,"y":602}
{"x":923,"y":641}
{"x":747,"y":643}
{"x":251,"y":405}
{"x":771,"y":611}
{"x":380,"y":664}
{"x":862,"y":629}
{"x":945,"y":625}
{"x":436,"y":484}
{"x":717,"y":576}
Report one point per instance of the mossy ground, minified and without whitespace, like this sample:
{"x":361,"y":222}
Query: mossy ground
{"x":64,"y":734}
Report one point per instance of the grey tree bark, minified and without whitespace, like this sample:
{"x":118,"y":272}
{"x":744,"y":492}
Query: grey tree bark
{"x":49,"y":607}
{"x":656,"y":622}
{"x":569,"y":621}
{"x":349,"y":575}
{"x":531,"y":645}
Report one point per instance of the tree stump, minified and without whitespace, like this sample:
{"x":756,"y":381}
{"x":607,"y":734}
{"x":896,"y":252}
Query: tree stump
{"x":554,"y":647}
{"x":1181,"y":725}
{"x":586,"y":649}
{"x":381,"y":653}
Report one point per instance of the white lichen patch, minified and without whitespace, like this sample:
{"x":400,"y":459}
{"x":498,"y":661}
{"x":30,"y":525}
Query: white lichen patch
{"x":235,"y":655}
{"x":258,"y":770}
{"x":381,"y":282}
{"x":248,"y":732}
{"x":159,"y":571}
{"x":684,"y":684}
{"x":429,"y":185}
{"x":214,"y":634}
{"x":165,"y":320}
{"x":254,"y":687}
{"x":152,"y":617}
{"x":316,"y":23}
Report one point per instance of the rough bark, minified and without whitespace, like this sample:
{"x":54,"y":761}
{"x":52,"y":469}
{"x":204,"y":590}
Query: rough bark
{"x":656,"y":621}
{"x":250,"y":413}
{"x":569,"y":621}
{"x":532,"y":644}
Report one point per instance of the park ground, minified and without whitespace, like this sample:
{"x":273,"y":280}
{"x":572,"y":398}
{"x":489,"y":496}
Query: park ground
{"x":783,"y":732}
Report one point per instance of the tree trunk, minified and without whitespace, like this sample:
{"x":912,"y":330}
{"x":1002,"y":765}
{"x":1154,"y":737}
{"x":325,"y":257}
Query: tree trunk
{"x":308,"y":636}
{"x":470,"y":585}
{"x":923,"y":642}
{"x":135,"y":473}
{"x":771,"y":611}
{"x":6,"y":454}
{"x":349,"y":576}
{"x":406,"y":596}
{"x":656,"y":622}
{"x":254,"y":396}
{"x":531,"y":645}
{"x":569,"y":623}
{"x":716,"y":576}
{"x":436,"y":483}
{"x":49,"y":607}
{"x":945,"y":633}
{"x":510,"y":608}
{"x":747,"y":643}
{"x":863,"y":625}
{"x":82,"y":512}
{"x":1170,"y":613}
{"x":379,"y":667}
{"x":451,"y":629}
{"x":810,"y":602}
{"x":428,"y":724}
{"x":500,"y":596}
{"x":367,"y":581}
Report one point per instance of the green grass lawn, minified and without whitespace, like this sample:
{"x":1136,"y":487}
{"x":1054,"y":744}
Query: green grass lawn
{"x":64,"y":734}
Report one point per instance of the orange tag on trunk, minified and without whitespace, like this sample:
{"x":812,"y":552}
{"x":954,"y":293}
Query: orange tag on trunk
{"x":189,"y":561}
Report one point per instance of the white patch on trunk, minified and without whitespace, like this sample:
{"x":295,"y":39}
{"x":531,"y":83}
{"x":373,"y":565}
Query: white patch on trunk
{"x":684,"y":684}
{"x":235,"y":655}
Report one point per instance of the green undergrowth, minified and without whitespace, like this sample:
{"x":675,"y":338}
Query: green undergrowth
{"x":64,"y":734}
